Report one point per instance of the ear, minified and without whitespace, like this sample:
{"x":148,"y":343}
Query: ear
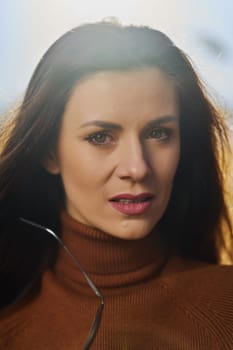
{"x":51,"y":164}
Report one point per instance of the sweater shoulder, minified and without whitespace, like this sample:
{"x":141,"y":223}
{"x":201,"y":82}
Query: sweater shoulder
{"x":199,"y":275}
{"x":204,"y":292}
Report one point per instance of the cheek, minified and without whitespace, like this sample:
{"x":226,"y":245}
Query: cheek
{"x":80,"y":170}
{"x":171,"y":163}
{"x":165,"y":165}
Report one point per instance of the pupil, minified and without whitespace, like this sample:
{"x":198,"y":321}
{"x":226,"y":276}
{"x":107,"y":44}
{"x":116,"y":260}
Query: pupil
{"x":156,"y":133}
{"x":100,"y":137}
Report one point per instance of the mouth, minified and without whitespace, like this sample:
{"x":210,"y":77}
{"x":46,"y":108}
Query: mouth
{"x":132,"y":204}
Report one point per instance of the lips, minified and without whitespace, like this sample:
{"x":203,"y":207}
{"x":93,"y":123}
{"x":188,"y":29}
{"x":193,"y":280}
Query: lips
{"x":132,"y":204}
{"x":127,"y":196}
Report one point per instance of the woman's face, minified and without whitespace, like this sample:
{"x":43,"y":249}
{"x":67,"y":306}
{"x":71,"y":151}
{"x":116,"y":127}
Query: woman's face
{"x":118,"y":150}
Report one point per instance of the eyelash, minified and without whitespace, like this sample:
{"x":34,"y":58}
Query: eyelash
{"x":91,"y":138}
{"x":167,"y":133}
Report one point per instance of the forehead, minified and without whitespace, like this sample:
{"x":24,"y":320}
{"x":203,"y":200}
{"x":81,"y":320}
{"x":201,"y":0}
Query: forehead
{"x":144,"y":92}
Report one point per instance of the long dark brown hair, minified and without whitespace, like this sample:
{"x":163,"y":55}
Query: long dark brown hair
{"x":192,"y":223}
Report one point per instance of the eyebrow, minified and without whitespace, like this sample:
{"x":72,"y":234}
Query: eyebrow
{"x":115,"y":126}
{"x":102,"y":124}
{"x":162,"y":120}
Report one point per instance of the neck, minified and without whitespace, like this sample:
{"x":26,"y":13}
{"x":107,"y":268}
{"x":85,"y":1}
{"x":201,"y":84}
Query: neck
{"x":109,"y":261}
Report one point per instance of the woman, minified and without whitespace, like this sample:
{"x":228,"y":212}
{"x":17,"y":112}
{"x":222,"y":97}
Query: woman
{"x":111,"y":188}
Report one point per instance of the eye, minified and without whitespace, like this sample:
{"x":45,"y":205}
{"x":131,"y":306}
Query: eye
{"x":100,"y":138}
{"x":159,"y":134}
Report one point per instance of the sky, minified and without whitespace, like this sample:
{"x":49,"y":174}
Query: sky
{"x":203,"y":29}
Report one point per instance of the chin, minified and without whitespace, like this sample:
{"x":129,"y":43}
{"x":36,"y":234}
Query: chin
{"x":131,"y":233}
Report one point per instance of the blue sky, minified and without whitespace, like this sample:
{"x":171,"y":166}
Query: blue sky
{"x":204,"y":29}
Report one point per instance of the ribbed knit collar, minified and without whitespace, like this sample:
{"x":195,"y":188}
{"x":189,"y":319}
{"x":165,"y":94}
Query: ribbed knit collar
{"x":110,"y":261}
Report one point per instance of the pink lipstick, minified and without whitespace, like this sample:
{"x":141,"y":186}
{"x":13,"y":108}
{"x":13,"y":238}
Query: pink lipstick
{"x":132,"y":204}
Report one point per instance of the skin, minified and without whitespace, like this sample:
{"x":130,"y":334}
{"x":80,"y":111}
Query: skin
{"x":139,"y":153}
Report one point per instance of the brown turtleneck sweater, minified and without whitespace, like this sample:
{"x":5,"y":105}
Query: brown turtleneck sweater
{"x":151,"y":301}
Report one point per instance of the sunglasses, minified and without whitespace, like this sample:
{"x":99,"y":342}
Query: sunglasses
{"x":97,"y":319}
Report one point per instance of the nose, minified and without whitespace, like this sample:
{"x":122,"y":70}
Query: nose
{"x":132,"y":162}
